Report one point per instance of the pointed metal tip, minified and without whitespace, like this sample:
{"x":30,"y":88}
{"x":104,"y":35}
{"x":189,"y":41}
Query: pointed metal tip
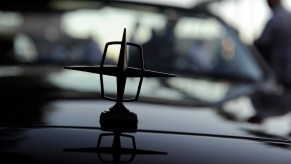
{"x":122,"y":61}
{"x":124,"y":35}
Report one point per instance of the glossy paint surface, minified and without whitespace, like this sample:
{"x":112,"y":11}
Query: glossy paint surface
{"x":180,"y":134}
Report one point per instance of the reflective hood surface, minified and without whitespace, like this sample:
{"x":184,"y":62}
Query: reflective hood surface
{"x":183,"y":135}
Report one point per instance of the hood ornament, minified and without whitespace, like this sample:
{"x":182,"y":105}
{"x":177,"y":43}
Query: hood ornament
{"x":118,"y":117}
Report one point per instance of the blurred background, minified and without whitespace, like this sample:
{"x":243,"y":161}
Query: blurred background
{"x":247,"y":17}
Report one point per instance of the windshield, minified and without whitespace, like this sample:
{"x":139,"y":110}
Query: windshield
{"x":211,"y":62}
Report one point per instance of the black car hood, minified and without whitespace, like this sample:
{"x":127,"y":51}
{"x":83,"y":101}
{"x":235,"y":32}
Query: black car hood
{"x":69,"y":131}
{"x":86,"y":113}
{"x":62,"y":145}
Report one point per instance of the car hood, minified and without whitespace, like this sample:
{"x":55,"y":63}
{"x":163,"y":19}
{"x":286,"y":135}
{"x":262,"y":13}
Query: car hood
{"x":86,"y":113}
{"x":68,"y":131}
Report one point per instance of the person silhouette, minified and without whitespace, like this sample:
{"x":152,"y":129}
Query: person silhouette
{"x":274,"y":45}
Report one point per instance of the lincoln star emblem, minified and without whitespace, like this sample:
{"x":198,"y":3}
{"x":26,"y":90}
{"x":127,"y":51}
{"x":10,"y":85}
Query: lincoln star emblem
{"x":121,"y":72}
{"x":119,"y":119}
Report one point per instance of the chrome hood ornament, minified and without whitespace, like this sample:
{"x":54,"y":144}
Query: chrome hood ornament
{"x":118,"y":112}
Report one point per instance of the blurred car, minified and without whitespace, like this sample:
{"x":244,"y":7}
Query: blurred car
{"x":51,"y":115}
